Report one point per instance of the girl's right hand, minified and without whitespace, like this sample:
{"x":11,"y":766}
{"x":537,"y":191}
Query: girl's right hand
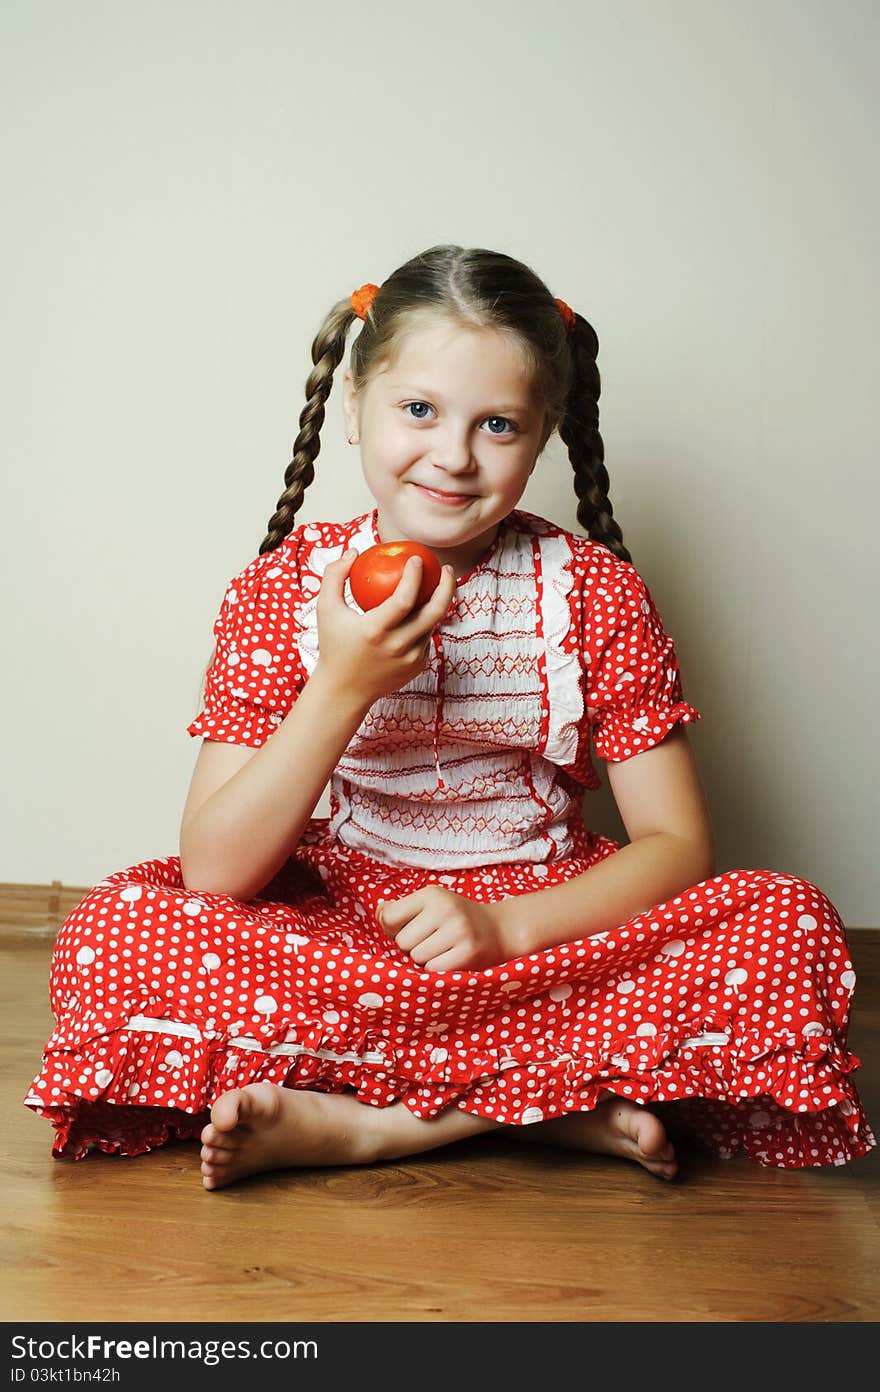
{"x":379,"y":651}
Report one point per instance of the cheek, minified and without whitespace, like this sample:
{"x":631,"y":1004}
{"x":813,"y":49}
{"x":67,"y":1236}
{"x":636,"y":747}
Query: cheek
{"x":393,"y":448}
{"x":514,"y":476}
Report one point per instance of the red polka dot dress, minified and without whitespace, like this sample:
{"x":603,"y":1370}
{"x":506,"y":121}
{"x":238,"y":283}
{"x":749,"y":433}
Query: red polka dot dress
{"x":724,"y":1009}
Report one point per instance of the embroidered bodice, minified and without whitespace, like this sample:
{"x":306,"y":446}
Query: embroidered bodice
{"x":484,"y":757}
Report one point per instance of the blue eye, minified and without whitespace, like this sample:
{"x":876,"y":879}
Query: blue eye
{"x":514,"y":429}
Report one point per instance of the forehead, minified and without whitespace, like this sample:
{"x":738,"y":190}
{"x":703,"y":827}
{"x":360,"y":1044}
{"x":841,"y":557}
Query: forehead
{"x":450,"y":353}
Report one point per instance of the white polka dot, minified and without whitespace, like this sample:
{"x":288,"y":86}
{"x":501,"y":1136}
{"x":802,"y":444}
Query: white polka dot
{"x":672,"y":949}
{"x":265,"y":1005}
{"x":736,"y":977}
{"x":103,"y":1076}
{"x":318,"y":953}
{"x":560,"y":993}
{"x":85,"y":956}
{"x":813,"y":1027}
{"x":370,"y":1001}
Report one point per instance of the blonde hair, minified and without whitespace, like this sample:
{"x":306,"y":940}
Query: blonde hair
{"x":481,"y":289}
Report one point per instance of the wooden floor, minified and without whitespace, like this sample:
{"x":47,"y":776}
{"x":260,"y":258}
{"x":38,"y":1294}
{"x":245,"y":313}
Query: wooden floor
{"x":488,"y":1229}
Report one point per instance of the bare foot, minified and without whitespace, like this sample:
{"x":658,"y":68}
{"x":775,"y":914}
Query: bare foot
{"x":265,"y":1127}
{"x":614,"y":1127}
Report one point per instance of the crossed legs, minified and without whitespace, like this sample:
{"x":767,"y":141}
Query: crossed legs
{"x":263,"y":1126}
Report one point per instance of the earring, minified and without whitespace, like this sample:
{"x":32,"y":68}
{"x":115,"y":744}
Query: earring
{"x":352,"y":439}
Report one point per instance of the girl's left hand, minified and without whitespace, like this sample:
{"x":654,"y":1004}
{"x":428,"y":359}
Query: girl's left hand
{"x":444,"y":931}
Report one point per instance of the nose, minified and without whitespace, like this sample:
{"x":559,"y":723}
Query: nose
{"x":452,"y":452}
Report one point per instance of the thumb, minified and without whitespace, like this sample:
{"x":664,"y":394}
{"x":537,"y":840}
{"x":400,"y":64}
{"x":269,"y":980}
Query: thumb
{"x":336,"y":573}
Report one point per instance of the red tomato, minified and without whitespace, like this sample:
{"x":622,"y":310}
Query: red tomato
{"x":375,"y":573}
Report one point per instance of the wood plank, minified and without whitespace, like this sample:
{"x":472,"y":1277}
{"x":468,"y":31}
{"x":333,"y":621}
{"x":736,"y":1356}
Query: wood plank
{"x":485,"y":1230}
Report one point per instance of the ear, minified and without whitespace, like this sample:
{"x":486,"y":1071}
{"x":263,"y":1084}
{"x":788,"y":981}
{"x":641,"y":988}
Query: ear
{"x":349,"y":397}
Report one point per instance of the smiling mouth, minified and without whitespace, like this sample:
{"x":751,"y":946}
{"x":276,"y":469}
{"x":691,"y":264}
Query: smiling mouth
{"x":441,"y":493}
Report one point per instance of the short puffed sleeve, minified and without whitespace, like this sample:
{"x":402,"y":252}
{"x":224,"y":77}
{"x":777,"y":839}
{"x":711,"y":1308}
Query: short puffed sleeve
{"x":256,"y":674}
{"x":633,"y":678}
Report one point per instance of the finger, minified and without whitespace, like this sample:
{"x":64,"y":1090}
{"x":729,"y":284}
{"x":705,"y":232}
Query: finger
{"x":435,"y":610}
{"x":453,"y":960}
{"x":336,"y":574}
{"x":444,"y":592}
{"x":394,"y":914}
{"x":432,"y":944}
{"x":416,"y":934}
{"x":403,"y":597}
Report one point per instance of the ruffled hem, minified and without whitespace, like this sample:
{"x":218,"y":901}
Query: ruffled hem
{"x":621,"y":736}
{"x":785,"y":1100}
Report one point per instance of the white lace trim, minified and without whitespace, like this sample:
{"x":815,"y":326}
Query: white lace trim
{"x":563,"y":668}
{"x":319,"y":558}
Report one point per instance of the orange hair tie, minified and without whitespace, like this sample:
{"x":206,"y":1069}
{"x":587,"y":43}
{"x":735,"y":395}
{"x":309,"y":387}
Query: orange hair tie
{"x":363,"y":298}
{"x":568,"y":315}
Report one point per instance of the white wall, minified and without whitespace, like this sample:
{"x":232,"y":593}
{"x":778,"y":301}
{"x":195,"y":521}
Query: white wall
{"x":188,"y":190}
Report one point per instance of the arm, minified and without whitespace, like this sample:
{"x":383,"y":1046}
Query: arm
{"x":242,"y":821}
{"x":663,"y":807}
{"x":236,"y":839}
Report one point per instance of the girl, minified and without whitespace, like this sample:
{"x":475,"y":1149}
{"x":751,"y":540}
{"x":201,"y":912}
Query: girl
{"x":452,"y":950}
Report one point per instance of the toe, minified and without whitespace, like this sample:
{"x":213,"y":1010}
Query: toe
{"x":663,"y":1169}
{"x":225,"y":1111}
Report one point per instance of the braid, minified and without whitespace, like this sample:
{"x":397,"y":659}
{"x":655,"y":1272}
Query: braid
{"x":475,"y":287}
{"x":579,"y":430}
{"x":328,"y":348}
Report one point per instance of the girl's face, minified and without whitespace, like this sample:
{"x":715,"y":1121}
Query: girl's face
{"x":449,"y":436}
